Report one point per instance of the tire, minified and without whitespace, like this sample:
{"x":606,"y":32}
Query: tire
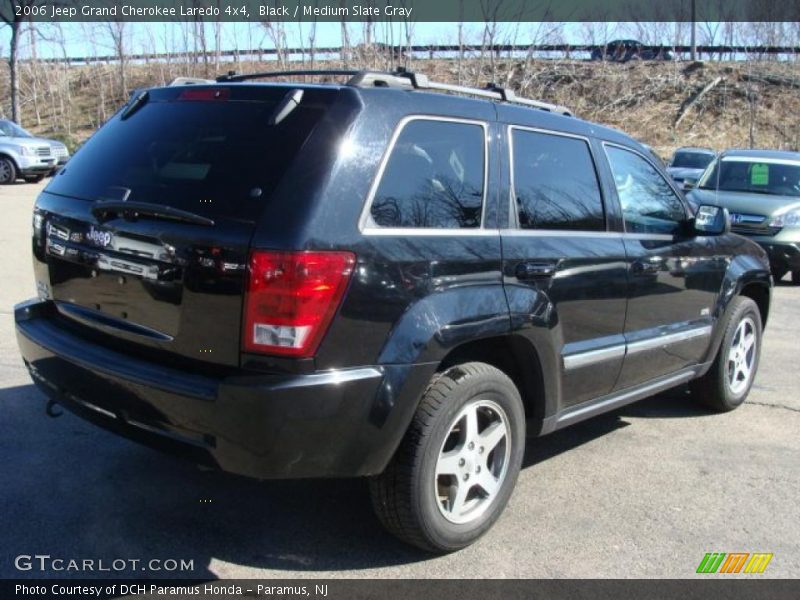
{"x":795,"y":277}
{"x":408,"y":497}
{"x":34,"y":178}
{"x":726,"y":384}
{"x":8,"y":171}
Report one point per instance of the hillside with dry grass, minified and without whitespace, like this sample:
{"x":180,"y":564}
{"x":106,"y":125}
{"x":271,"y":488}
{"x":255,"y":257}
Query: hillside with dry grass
{"x":666,"y":105}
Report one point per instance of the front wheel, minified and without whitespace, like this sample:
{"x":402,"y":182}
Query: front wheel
{"x":8,"y":171}
{"x":731,"y":376}
{"x":458,"y":463}
{"x":795,"y":277}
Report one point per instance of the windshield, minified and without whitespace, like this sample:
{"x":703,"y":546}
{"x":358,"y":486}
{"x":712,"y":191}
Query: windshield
{"x":691,"y":160}
{"x":209,"y":157}
{"x":11,"y":129}
{"x":775,"y":177}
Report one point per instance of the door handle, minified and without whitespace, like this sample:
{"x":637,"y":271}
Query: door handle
{"x":534,"y":270}
{"x":646,"y":267}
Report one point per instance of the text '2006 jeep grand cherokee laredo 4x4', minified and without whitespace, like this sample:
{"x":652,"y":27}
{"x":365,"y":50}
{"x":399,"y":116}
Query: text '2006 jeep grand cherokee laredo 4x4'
{"x":369,"y":279}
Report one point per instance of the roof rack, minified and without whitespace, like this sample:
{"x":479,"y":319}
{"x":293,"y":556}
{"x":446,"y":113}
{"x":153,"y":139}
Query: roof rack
{"x":408,"y":80}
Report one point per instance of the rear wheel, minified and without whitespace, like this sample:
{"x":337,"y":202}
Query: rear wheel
{"x":8,"y":171}
{"x":730,"y":378}
{"x":455,"y":469}
{"x":796,"y":277}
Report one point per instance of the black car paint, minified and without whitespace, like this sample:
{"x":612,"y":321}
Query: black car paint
{"x":415,"y":298}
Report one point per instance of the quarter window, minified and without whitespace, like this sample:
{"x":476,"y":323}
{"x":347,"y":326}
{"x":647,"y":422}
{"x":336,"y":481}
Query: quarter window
{"x":555,"y":183}
{"x":648,"y":203}
{"x":434,"y":177}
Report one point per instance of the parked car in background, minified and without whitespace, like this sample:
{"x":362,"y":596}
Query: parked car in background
{"x":625,"y":50}
{"x":687,"y":165}
{"x":761,"y":189}
{"x":60,"y":153}
{"x":23,"y":155}
{"x":16,"y":160}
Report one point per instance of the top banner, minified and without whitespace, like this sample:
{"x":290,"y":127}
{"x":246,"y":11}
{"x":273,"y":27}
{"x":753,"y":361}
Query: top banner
{"x":490,"y":11}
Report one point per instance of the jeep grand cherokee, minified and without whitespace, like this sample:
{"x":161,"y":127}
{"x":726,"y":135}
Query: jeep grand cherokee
{"x":372,"y":279}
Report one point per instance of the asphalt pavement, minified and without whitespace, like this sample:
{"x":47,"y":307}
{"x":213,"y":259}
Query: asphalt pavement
{"x":645,"y":491}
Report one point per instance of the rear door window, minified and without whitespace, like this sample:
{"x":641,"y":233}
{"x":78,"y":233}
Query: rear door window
{"x":434,"y":178}
{"x":555,"y":183}
{"x":187,"y":150}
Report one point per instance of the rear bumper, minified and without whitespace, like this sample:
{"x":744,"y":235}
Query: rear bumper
{"x":329,"y":424}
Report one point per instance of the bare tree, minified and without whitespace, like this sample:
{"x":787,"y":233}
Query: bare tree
{"x":117,"y":32}
{"x":12,"y":13}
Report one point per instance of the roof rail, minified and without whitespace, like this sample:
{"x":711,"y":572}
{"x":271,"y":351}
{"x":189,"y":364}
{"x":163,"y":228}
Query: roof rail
{"x":408,"y":80}
{"x":233,"y":76}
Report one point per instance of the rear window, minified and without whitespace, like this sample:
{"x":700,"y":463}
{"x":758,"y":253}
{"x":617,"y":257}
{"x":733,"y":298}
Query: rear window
{"x":434,"y":178}
{"x":691,"y":160}
{"x":210,"y":157}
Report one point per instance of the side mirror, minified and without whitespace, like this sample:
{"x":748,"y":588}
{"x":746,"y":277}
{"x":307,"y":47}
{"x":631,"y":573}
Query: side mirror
{"x":711,"y":220}
{"x":689,"y":184}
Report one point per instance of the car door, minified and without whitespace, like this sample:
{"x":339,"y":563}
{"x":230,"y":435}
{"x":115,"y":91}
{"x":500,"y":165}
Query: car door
{"x":674,"y":276}
{"x":564,"y":270}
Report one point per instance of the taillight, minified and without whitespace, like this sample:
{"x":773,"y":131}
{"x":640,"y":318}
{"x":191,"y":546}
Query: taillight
{"x":291,"y":299}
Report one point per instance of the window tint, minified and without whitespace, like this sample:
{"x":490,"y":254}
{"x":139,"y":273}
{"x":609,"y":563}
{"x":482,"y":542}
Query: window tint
{"x":202,"y":156}
{"x":691,"y":160}
{"x":648,"y":203}
{"x":434,"y":177}
{"x":555,"y":183}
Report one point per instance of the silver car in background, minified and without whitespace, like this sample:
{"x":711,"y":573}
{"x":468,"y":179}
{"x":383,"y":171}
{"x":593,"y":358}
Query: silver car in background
{"x":687,"y":165}
{"x":761,"y":190}
{"x":27,"y":156}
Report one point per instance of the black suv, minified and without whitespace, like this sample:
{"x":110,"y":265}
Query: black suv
{"x":377,"y":279}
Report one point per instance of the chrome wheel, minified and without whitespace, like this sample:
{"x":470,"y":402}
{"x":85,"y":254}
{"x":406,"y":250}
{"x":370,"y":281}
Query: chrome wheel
{"x":741,"y":356}
{"x":6,"y":171}
{"x":473,"y":461}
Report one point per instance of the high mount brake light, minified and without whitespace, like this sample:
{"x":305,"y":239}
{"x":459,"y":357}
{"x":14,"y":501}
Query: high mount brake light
{"x":204,"y":94}
{"x":292,"y":298}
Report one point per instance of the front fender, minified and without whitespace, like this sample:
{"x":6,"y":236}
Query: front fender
{"x":743,"y":270}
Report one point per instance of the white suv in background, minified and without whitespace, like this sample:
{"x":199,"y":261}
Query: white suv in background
{"x":24,"y":155}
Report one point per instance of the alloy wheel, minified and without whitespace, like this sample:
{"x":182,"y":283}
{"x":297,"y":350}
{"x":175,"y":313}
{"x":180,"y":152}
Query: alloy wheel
{"x":473,"y":461}
{"x":741,"y":356}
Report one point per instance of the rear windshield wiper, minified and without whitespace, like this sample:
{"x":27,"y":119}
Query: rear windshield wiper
{"x":104,"y":210}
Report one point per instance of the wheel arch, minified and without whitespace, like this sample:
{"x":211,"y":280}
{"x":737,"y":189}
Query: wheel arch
{"x":759,"y":293}
{"x":9,"y":156}
{"x":515,"y":356}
